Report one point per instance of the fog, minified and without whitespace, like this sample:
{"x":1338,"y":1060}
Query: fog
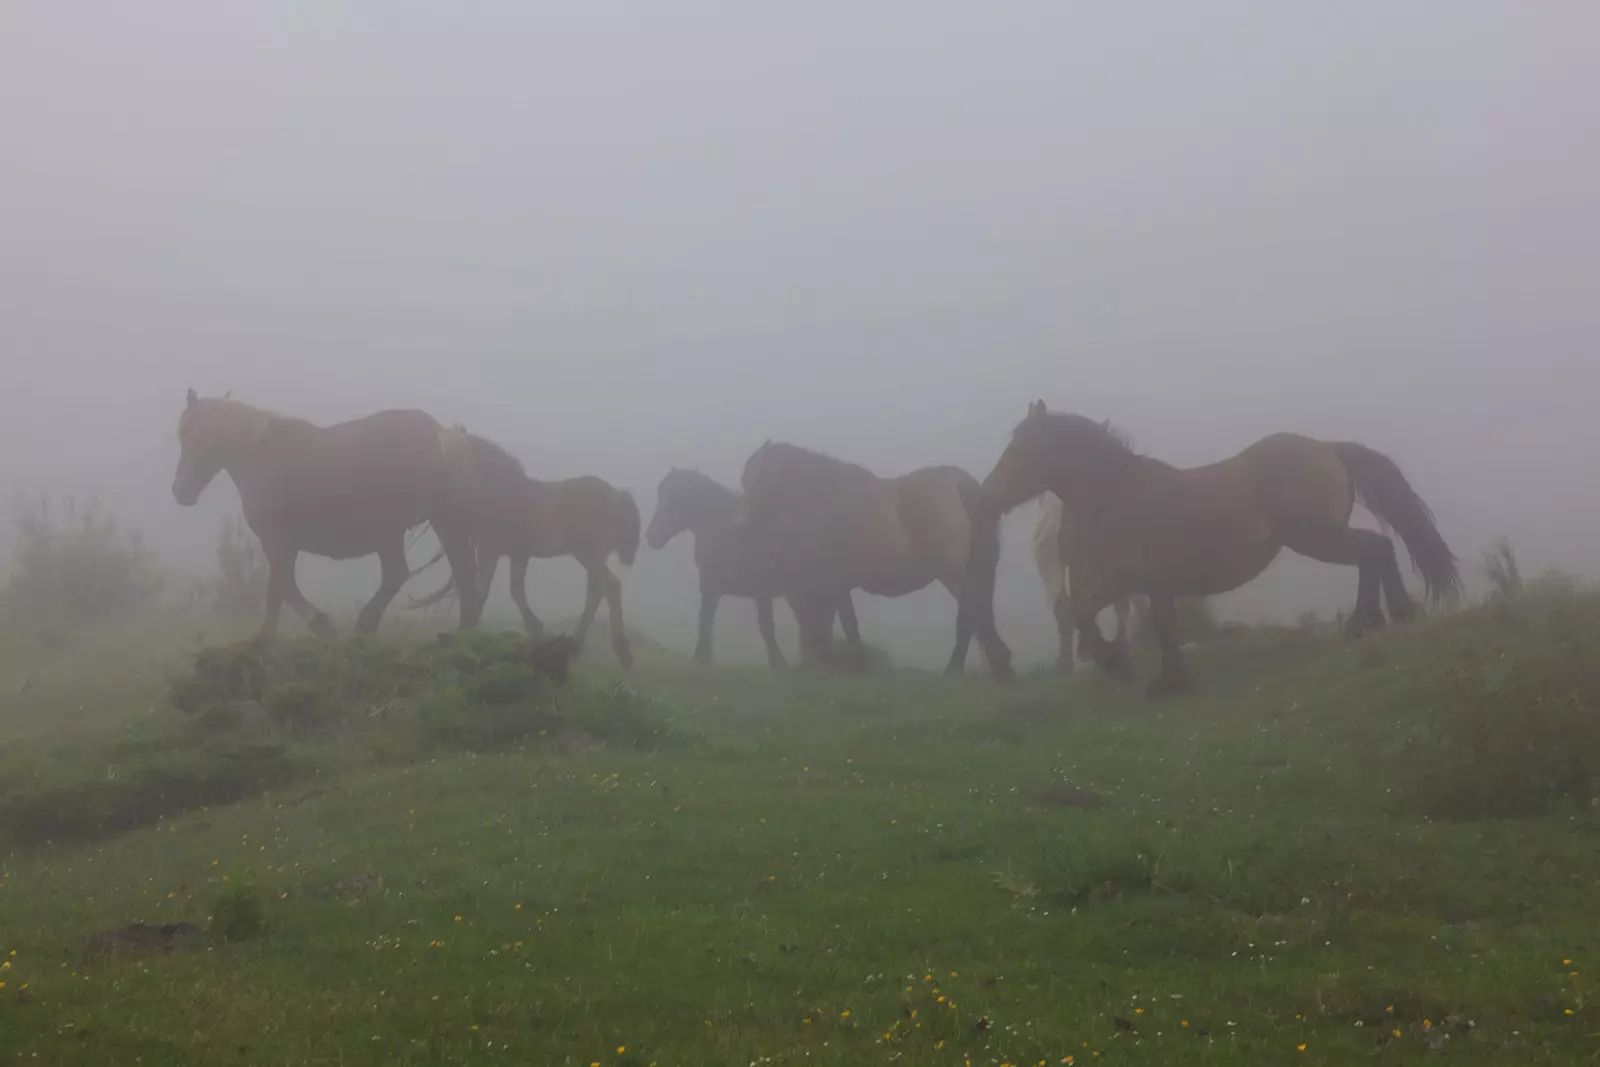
{"x":617,"y":239}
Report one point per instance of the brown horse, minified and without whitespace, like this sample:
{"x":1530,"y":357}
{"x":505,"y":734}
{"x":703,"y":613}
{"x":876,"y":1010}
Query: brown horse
{"x":1055,"y":540}
{"x":827,"y":527}
{"x":687,"y":500}
{"x":1147,"y":527}
{"x":525,"y":518}
{"x":342,"y":491}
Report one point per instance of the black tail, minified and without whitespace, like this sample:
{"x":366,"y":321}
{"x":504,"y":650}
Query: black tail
{"x":1384,"y":491}
{"x":628,"y":550}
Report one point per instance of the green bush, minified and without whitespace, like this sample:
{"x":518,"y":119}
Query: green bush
{"x":76,"y":570}
{"x":1510,"y":721}
{"x":240,"y":587}
{"x":238,"y":912}
{"x":481,"y":691}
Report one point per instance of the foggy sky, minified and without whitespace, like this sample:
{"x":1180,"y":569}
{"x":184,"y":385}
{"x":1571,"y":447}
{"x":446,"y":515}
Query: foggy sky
{"x":617,"y":238}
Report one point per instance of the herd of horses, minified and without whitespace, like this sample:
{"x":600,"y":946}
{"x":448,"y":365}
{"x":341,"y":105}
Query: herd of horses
{"x":811,"y":529}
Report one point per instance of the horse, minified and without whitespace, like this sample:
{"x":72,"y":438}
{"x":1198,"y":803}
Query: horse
{"x":343,"y":491}
{"x":827,"y":527}
{"x":1054,"y":541}
{"x":1167,"y":532}
{"x":525,"y":518}
{"x":687,"y":500}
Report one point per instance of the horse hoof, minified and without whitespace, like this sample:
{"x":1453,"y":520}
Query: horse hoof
{"x":322,"y":626}
{"x":625,"y":657}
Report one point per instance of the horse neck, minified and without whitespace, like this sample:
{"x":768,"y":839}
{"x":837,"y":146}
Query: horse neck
{"x":715,"y":506}
{"x":1111,"y":475}
{"x":278,"y":443}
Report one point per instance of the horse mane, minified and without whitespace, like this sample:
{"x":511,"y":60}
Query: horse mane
{"x":808,"y":460}
{"x":217,"y":420}
{"x":1079,"y":431}
{"x":495,"y":462}
{"x":694,"y":476}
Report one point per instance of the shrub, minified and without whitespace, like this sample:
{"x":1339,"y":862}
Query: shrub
{"x":1500,"y":567}
{"x":76,"y":570}
{"x":482,"y":691}
{"x":1512,"y":722}
{"x":240,"y":587}
{"x":238,"y":912}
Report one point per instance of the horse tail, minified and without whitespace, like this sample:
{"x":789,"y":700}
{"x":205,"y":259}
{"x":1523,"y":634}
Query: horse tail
{"x":444,"y":592}
{"x":1383,"y":490}
{"x":628,"y":515}
{"x":435,"y":558}
{"x":422,"y":532}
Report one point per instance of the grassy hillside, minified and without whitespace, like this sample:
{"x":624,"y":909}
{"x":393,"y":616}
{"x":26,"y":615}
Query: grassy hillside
{"x":1381,"y":852}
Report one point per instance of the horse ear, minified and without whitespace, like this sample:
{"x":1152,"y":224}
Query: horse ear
{"x":1037,"y":407}
{"x":192,"y":399}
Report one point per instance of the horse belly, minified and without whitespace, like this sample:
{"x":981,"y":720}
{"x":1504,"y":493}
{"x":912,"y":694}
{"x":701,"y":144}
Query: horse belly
{"x":1215,"y":575}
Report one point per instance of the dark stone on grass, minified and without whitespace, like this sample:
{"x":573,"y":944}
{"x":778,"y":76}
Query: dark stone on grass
{"x":139,"y":939}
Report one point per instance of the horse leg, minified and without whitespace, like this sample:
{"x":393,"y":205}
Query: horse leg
{"x":619,"y":633}
{"x":591,"y":603}
{"x":769,"y":632}
{"x":846,"y":608}
{"x":1366,"y":550}
{"x":463,"y":557}
{"x":1109,"y":656}
{"x":977,"y":599}
{"x":269,"y":624}
{"x":1174,"y":678}
{"x":1062,"y":609}
{"x":518,"y":578}
{"x":816,"y":634}
{"x":395,"y":572}
{"x":710,"y":597}
{"x":280,"y":572}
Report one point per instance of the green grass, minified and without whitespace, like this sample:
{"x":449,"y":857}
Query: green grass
{"x":1385,"y":853}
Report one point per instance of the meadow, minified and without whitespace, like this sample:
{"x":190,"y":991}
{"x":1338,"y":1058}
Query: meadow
{"x":414,"y":850}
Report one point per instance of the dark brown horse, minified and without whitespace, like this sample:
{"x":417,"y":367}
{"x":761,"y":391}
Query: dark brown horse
{"x":1148,"y":527}
{"x":729,"y":565}
{"x":342,"y":491}
{"x":525,"y":518}
{"x":828,"y":527}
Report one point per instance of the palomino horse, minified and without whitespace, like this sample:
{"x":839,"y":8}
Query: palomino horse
{"x":687,"y":500}
{"x":1147,"y":527}
{"x":342,"y":491}
{"x":525,"y":518}
{"x":827,"y":527}
{"x":1054,"y":541}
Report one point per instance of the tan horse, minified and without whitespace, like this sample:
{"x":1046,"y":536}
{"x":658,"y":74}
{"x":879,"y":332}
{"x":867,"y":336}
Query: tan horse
{"x":1053,"y":542}
{"x":342,"y":491}
{"x":826,"y":527}
{"x":525,"y":518}
{"x":1148,"y":527}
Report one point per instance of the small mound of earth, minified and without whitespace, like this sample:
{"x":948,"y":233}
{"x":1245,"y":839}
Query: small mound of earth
{"x":365,"y":882}
{"x":140,"y":938}
{"x":1069,"y":796}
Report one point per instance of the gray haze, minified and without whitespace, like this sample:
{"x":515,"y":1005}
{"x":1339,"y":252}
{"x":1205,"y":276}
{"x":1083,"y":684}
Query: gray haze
{"x":618,"y":238}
